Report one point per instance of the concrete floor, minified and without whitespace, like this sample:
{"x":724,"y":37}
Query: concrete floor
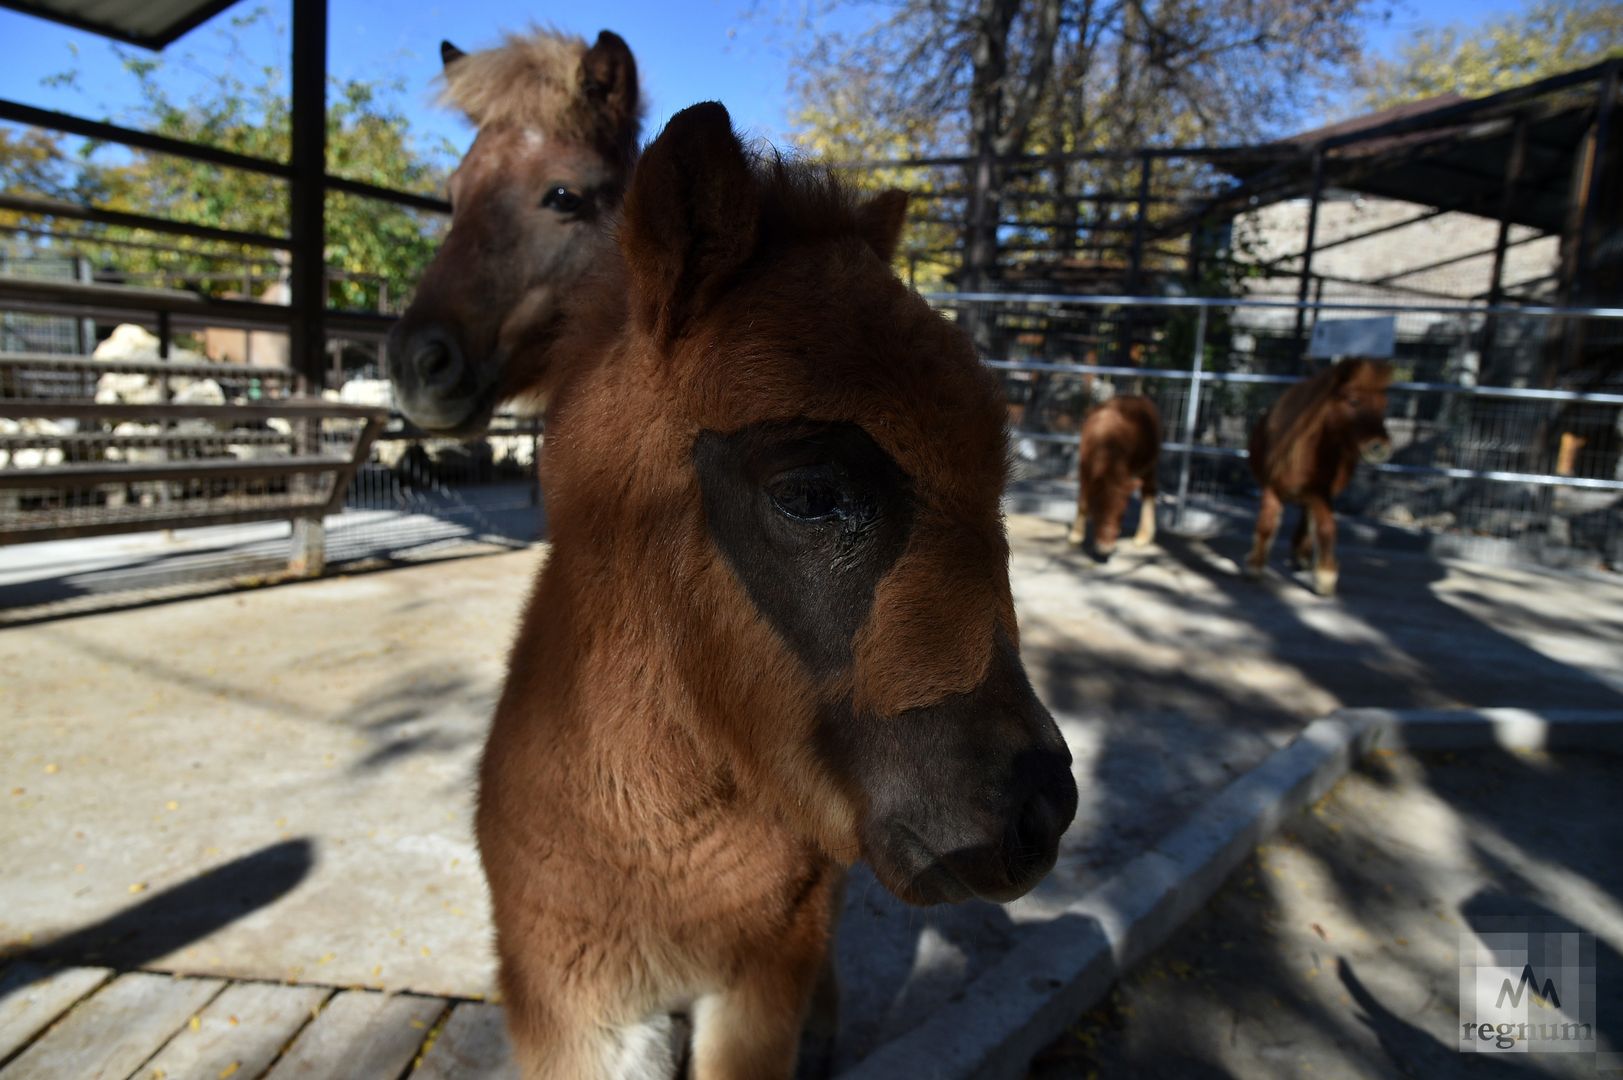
{"x":277,"y":783}
{"x":1335,"y":951}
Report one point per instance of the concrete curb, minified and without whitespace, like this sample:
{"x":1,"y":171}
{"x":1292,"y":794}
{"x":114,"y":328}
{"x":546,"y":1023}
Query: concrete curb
{"x":1061,"y":967}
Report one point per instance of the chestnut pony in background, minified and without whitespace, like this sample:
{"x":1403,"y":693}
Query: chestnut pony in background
{"x":774,"y":633}
{"x":1304,"y":450}
{"x":1119,"y":452}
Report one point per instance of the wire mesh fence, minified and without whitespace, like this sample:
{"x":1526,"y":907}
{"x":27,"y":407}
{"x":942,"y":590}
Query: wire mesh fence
{"x":1507,"y":429}
{"x":54,"y":334}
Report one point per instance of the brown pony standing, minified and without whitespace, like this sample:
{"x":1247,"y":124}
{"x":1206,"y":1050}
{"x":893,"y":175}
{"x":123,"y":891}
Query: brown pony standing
{"x":774,"y":634}
{"x":1304,"y":450}
{"x":1121,"y":446}
{"x":533,"y":204}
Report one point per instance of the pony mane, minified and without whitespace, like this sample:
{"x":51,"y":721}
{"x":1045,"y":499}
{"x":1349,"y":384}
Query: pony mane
{"x":804,"y":202}
{"x":801,"y":200}
{"x":1297,"y":412}
{"x":532,"y":80}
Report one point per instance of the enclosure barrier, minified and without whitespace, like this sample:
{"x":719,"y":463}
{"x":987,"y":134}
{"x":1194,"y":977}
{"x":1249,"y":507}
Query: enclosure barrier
{"x":1475,"y":452}
{"x":94,"y":447}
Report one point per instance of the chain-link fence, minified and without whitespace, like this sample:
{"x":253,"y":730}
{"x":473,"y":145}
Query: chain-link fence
{"x":52,"y":334}
{"x":1507,"y":425}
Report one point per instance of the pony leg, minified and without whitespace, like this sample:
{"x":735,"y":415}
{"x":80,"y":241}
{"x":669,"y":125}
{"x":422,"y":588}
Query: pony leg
{"x":1326,"y":570}
{"x":822,"y":1027}
{"x":1146,"y":512}
{"x":752,"y":1029}
{"x":1079,"y":527}
{"x":544,"y":1049}
{"x":1302,"y":542}
{"x":1267,"y":525}
{"x":817,"y":1038}
{"x":650,"y":1050}
{"x":555,"y":1038}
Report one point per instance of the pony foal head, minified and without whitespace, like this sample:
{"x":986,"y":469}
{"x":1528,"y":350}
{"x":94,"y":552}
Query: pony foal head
{"x":828,"y":529}
{"x":1360,"y":406}
{"x":531,"y":204}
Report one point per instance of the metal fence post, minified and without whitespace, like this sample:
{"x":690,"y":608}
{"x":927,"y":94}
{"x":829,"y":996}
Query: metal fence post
{"x":1189,"y":417}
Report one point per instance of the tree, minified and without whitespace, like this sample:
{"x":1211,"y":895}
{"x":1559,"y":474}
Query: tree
{"x":374,"y":249}
{"x":33,"y":162}
{"x":993,"y":79}
{"x":849,"y":133}
{"x":1548,"y":38}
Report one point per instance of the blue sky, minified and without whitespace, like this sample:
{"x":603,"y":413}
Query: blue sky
{"x":735,"y":51}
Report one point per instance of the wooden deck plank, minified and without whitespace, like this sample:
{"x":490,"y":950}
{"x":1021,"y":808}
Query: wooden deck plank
{"x":472,"y":1045}
{"x":359,"y":1034}
{"x":110,"y":1035}
{"x":32,"y":995}
{"x":239,"y":1033}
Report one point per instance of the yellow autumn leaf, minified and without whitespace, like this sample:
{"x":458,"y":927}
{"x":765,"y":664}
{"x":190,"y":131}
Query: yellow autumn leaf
{"x":229,"y":1069}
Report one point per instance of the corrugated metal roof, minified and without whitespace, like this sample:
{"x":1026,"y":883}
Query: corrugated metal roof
{"x":1458,"y":164}
{"x":150,"y":23}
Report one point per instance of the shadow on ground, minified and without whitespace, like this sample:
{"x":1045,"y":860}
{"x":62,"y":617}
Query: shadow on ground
{"x":1335,"y":951}
{"x":182,"y":914}
{"x":1163,"y":709}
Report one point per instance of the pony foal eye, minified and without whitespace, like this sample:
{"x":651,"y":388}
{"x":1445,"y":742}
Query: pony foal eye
{"x":562,"y":200}
{"x":812,"y":494}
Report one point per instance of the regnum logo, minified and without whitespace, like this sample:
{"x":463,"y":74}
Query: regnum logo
{"x":1527,"y":986}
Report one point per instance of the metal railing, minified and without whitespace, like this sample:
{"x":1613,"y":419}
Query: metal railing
{"x":1466,"y":450}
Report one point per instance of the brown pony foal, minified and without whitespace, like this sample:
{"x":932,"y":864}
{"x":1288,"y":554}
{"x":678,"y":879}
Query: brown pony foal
{"x":1304,"y":450}
{"x":774,"y":633}
{"x":1121,"y":445}
{"x":533,"y":204}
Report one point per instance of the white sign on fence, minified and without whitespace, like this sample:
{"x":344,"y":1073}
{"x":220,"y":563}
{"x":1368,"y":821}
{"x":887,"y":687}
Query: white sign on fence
{"x":1373,"y":338}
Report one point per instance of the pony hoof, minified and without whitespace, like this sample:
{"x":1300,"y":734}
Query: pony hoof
{"x":1251,"y":571}
{"x":1324,"y":582}
{"x":1073,"y":538}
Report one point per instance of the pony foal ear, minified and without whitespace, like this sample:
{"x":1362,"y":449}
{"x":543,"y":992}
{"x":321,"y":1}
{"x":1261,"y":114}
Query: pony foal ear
{"x":881,"y":219}
{"x":691,"y":217}
{"x":608,"y":76}
{"x":450,"y":54}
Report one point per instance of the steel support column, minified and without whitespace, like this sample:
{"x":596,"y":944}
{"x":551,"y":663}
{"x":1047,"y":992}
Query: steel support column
{"x":1507,"y":203}
{"x":1305,"y":283}
{"x":1135,"y":259}
{"x":308,"y":189}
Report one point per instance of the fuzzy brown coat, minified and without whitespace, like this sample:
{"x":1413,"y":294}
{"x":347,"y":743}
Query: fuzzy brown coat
{"x":1304,"y":451}
{"x":1119,"y":452}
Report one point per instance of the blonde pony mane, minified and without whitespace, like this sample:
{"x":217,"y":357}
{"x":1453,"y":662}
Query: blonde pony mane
{"x":530,"y":80}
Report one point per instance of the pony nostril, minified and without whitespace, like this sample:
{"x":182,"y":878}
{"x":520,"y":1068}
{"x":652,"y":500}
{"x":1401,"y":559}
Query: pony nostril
{"x":1029,"y":844}
{"x":437,"y":364}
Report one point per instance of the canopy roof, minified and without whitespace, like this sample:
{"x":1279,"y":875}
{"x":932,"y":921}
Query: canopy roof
{"x":1446,"y":152}
{"x":152,"y":24}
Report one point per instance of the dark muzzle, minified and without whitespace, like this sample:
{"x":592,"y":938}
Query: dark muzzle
{"x":435,"y":386}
